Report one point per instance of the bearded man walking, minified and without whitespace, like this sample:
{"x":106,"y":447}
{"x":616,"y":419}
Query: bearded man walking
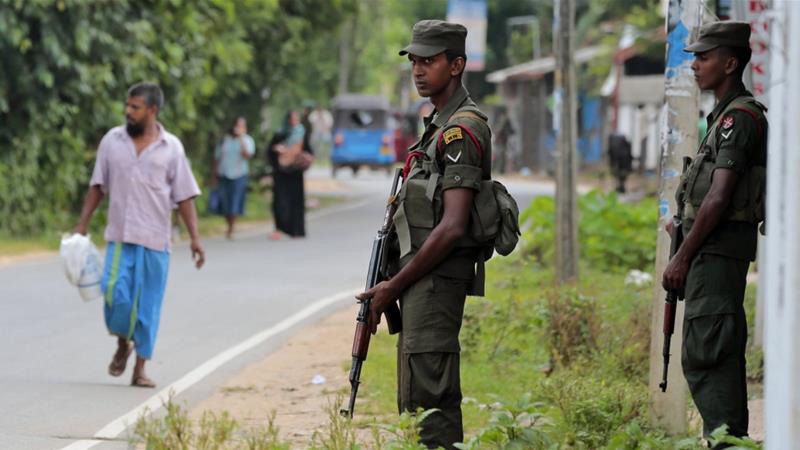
{"x":144,"y":171}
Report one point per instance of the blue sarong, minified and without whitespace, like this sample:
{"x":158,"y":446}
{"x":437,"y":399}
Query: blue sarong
{"x":133,"y":281}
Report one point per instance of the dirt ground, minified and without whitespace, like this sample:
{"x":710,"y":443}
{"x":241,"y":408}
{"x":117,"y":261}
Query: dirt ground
{"x":282,"y":382}
{"x":756,"y":428}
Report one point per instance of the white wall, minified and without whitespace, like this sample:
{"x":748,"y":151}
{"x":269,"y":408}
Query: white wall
{"x":782,"y":329}
{"x":635,"y":123}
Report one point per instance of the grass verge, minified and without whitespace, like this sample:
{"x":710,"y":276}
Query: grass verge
{"x":214,"y":431}
{"x":258,"y":210}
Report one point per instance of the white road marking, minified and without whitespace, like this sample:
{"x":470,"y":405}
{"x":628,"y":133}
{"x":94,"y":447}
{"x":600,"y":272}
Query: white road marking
{"x":117,"y":426}
{"x":327,"y":211}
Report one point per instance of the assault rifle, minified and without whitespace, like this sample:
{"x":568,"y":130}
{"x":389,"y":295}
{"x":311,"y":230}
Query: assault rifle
{"x":375,"y":274}
{"x":673,"y":295}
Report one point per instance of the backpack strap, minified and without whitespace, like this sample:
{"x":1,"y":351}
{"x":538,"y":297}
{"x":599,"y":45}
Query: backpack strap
{"x":755,"y":118}
{"x":409,"y":161}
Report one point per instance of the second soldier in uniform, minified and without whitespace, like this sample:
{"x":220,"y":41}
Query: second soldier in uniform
{"x":722,"y":195}
{"x":439,"y":265}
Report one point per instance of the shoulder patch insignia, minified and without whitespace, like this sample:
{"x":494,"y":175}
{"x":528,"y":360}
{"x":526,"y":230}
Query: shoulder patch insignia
{"x":727,"y":122}
{"x":453,"y":134}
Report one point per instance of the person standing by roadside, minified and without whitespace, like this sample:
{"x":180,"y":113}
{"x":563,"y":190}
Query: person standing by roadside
{"x":722,"y":197}
{"x":620,"y":159}
{"x":437,"y":258}
{"x":231,"y":171}
{"x":289,"y":158}
{"x":144,"y":171}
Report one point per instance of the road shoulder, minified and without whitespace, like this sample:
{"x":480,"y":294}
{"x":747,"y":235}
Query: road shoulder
{"x":284,"y":381}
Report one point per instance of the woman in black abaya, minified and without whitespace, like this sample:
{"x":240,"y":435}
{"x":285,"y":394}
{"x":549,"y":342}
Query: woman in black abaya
{"x":288,"y":194}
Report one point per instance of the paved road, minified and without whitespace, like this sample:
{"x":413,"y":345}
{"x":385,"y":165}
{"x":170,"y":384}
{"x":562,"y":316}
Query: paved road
{"x":55,"y":389}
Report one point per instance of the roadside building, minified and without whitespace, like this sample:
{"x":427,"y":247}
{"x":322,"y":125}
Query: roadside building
{"x":634,"y":93}
{"x":527,"y":92}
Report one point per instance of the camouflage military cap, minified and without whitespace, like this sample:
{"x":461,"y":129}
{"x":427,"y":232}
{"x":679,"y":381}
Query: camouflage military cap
{"x":431,"y":37}
{"x":725,"y":33}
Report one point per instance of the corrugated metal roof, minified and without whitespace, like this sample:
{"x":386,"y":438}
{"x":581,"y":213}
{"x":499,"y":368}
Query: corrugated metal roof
{"x":641,"y":89}
{"x":360,"y":101}
{"x":538,"y":67}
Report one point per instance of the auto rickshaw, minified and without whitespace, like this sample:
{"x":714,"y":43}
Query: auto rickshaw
{"x":362,"y":133}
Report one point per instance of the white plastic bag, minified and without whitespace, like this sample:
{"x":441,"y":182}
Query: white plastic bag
{"x":82,"y":265}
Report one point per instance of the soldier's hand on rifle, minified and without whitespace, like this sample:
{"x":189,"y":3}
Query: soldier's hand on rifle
{"x":675,"y":273}
{"x":382,"y":295}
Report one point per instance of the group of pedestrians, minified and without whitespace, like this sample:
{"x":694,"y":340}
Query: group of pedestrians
{"x":144,"y":171}
{"x":290,"y":153}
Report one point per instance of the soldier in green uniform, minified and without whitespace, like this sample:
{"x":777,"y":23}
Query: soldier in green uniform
{"x":438,"y":260}
{"x":721,"y":195}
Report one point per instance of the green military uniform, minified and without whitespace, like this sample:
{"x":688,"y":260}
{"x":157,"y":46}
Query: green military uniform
{"x":454,"y":152}
{"x":715,"y":329}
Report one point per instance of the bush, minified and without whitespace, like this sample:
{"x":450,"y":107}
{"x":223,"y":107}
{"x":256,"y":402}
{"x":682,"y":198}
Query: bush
{"x":580,"y":352}
{"x":518,"y":425}
{"x":720,"y":438}
{"x":592,"y":408}
{"x":175,"y":431}
{"x":613,"y":236}
{"x":570,"y":324}
{"x":503,"y":326}
{"x":338,"y":433}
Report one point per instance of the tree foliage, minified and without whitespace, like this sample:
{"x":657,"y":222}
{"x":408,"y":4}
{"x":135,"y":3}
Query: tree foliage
{"x":65,"y":66}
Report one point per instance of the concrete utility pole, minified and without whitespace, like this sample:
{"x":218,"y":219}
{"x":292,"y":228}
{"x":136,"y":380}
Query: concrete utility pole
{"x":678,"y":139}
{"x":565,"y":124}
{"x":345,"y":50}
{"x":782,"y":330}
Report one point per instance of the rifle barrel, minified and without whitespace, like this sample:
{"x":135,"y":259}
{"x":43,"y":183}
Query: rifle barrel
{"x":355,"y":375}
{"x":663,"y":384}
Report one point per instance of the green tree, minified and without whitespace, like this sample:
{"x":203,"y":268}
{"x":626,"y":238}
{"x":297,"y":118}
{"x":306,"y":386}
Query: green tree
{"x":65,"y":66}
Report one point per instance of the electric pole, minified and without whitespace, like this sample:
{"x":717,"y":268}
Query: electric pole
{"x":679,"y":139}
{"x":565,"y":124}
